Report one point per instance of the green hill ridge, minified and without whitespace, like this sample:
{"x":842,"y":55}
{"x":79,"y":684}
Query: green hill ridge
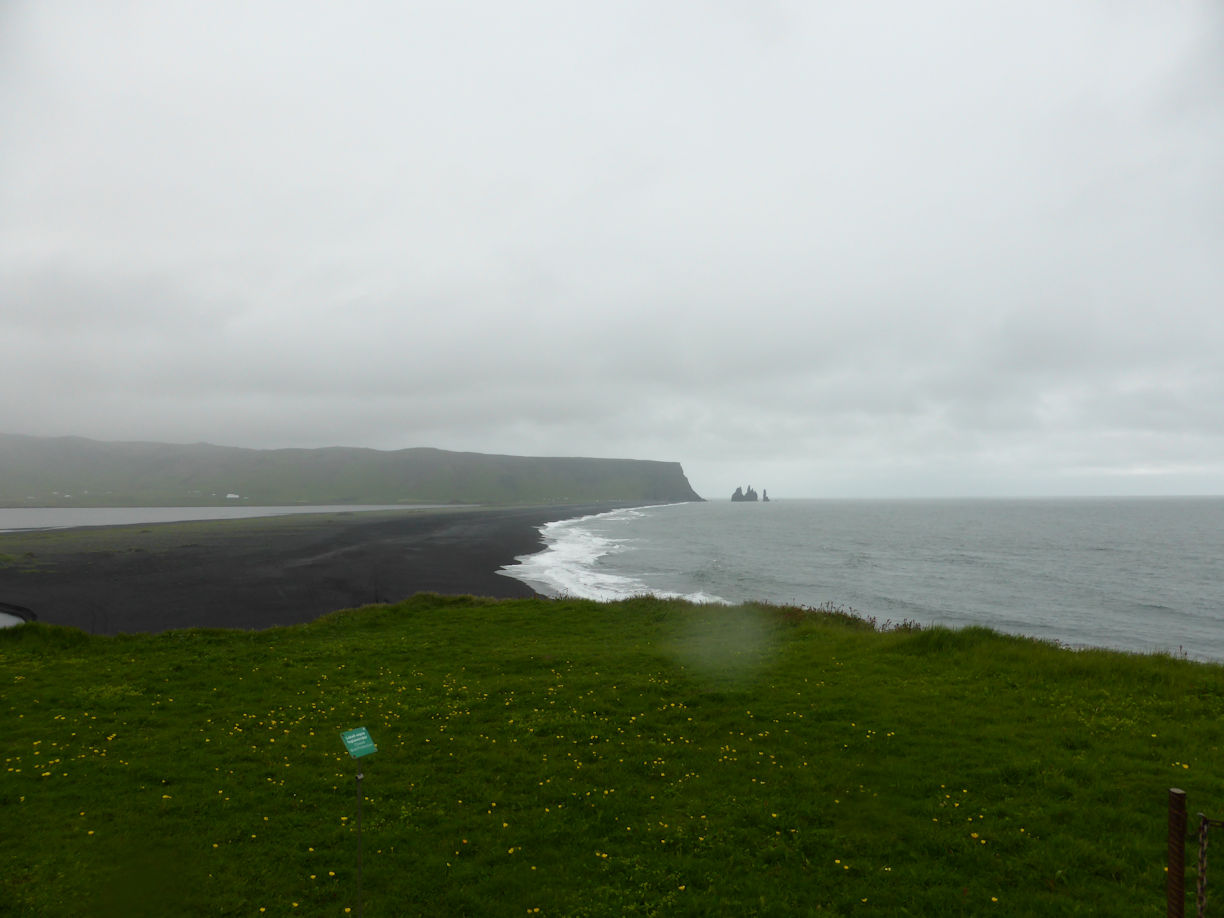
{"x":74,"y":471}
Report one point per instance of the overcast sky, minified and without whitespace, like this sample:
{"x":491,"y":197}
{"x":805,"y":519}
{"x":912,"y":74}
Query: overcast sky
{"x":829,"y":249}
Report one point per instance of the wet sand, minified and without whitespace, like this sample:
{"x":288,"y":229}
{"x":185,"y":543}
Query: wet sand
{"x":256,"y":573}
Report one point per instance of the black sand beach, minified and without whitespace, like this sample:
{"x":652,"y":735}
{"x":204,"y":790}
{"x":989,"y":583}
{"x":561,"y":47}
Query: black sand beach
{"x":258,"y":573}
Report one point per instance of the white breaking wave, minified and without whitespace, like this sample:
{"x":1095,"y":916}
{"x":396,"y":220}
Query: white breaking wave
{"x":569,"y":563}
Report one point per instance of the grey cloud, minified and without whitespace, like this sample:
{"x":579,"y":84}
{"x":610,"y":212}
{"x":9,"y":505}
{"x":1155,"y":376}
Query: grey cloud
{"x":874,"y":248}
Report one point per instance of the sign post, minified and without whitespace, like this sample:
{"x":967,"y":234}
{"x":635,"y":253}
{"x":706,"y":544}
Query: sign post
{"x":358,"y":743}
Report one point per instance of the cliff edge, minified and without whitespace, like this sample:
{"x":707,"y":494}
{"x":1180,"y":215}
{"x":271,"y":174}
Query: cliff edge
{"x":72,"y":471}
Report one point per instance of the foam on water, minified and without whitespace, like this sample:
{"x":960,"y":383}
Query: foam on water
{"x":576,"y":550}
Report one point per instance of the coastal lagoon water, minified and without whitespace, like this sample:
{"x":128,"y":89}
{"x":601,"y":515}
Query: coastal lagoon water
{"x":1135,"y":574}
{"x":16,"y":519}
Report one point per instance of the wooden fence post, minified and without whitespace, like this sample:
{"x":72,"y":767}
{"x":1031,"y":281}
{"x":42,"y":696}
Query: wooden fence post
{"x":1175,"y":883}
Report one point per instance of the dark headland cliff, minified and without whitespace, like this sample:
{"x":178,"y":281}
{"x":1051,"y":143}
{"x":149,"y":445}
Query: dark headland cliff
{"x":73,"y":471}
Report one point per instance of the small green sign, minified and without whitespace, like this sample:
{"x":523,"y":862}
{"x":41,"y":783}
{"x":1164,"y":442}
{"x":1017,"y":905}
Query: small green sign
{"x":358,"y":743}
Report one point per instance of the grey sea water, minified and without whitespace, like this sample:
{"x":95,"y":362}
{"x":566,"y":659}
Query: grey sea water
{"x":1135,"y":574}
{"x":16,"y":519}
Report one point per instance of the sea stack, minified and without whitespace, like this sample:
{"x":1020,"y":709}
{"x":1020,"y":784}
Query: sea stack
{"x":742,"y":494}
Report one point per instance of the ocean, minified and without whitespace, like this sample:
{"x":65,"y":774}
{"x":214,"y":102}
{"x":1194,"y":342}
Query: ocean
{"x":1132,"y":574}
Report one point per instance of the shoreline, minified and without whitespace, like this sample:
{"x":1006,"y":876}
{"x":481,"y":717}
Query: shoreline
{"x":36,"y":519}
{"x":262,"y":572}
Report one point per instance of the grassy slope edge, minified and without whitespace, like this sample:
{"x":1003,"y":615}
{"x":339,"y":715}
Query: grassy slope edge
{"x":643,"y":757}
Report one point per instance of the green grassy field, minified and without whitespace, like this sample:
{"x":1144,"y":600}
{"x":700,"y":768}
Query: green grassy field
{"x":574,"y":758}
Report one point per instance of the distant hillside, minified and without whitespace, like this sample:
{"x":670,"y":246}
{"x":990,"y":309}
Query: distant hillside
{"x":72,"y":471}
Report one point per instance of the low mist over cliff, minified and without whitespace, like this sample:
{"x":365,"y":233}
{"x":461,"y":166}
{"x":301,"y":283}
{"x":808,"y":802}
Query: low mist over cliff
{"x":71,"y":471}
